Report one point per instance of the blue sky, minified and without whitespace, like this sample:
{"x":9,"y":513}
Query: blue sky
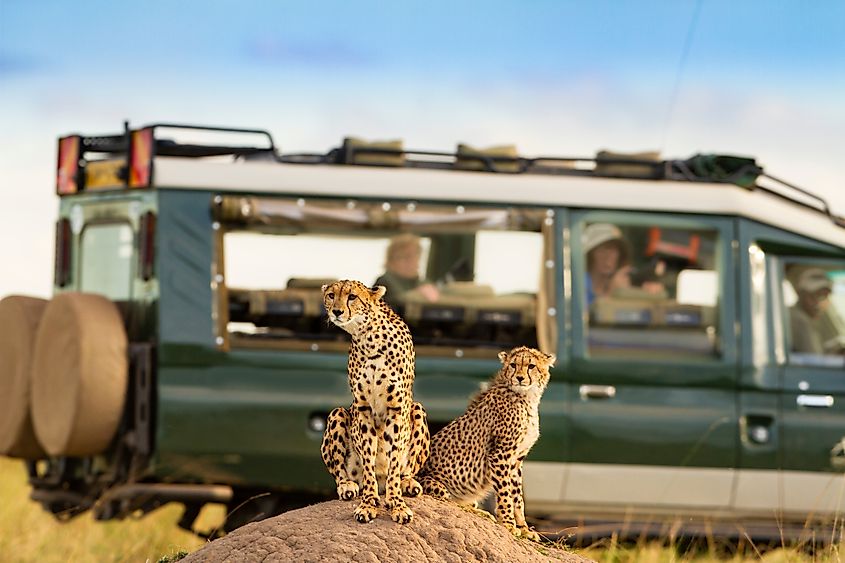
{"x":765,"y":78}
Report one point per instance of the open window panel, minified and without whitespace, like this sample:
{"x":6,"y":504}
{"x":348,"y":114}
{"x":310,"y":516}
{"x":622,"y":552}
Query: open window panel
{"x":813,"y":302}
{"x":651,"y":290}
{"x":488,"y":265}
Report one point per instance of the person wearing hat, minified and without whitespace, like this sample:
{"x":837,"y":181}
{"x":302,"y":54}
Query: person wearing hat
{"x":608,"y":260}
{"x":403,"y":271}
{"x":813,"y":288}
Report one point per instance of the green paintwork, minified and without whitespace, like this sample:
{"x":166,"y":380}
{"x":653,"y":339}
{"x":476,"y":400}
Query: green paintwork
{"x":241,"y":417}
{"x":664,"y":413}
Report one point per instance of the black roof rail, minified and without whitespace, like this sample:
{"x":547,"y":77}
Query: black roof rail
{"x":725,"y":169}
{"x":810,"y":200}
{"x":712,"y":168}
{"x":116,"y":144}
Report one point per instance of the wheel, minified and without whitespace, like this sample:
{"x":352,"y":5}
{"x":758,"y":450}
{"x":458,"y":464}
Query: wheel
{"x":80,"y":375}
{"x":19,"y":319}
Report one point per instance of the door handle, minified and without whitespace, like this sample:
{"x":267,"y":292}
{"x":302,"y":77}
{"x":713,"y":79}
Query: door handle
{"x":815,"y":401}
{"x":597,"y":391}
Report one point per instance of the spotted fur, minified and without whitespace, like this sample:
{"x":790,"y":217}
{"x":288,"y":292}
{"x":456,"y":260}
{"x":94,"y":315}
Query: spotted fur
{"x":381,"y":441}
{"x":484,"y":448}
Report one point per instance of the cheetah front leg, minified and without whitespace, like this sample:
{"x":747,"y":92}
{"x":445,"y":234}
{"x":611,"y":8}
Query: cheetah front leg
{"x":502,"y":472}
{"x":519,"y":505}
{"x":336,"y":451}
{"x":396,"y":435}
{"x":418,"y":450}
{"x":365,"y":442}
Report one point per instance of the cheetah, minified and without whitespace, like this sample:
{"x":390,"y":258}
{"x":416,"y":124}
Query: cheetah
{"x":485,"y":446}
{"x":381,"y":441}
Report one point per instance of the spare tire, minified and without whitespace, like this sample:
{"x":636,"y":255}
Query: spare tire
{"x":80,"y":375}
{"x":19,"y":318}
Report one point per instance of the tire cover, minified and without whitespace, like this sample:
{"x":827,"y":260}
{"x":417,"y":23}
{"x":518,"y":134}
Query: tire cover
{"x":80,"y":375}
{"x":19,"y":318}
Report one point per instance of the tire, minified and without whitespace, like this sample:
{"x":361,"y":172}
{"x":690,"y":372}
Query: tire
{"x":80,"y":375}
{"x":19,"y":319}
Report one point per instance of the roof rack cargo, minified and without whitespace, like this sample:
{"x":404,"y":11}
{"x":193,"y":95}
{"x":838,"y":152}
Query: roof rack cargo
{"x":713,"y":168}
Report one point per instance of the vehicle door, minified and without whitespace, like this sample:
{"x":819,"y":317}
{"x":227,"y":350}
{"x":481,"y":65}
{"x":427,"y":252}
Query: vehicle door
{"x":653,"y":415}
{"x":811,"y":303}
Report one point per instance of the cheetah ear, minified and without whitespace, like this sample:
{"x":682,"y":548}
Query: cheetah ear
{"x":325,"y":286}
{"x":503,"y":356}
{"x":378,"y":292}
{"x":551,"y":358}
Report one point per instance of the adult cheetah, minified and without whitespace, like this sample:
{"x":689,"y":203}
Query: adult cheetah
{"x":486,"y":445}
{"x":381,"y":441}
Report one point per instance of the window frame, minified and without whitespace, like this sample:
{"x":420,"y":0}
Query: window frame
{"x":546,"y":332}
{"x":782,"y":313}
{"x":133,"y":259}
{"x":668,"y":369}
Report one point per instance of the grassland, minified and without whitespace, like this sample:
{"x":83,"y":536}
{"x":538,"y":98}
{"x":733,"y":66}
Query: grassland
{"x":29,"y":534}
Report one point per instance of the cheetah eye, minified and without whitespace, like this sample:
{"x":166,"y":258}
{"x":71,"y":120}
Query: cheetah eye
{"x":531,"y":366}
{"x":352,"y":297}
{"x":513,"y":365}
{"x":330,"y":295}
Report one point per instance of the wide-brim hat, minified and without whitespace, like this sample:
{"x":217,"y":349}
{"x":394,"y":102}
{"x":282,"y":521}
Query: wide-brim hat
{"x":597,"y":234}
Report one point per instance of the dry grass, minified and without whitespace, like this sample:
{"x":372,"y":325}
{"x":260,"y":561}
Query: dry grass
{"x":28,"y":533}
{"x":611,"y":551}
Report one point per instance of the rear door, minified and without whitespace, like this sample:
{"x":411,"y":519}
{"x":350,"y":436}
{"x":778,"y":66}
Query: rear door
{"x":813,"y":385}
{"x":653,"y":416}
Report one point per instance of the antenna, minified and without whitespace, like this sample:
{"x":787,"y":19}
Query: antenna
{"x":673,"y":99}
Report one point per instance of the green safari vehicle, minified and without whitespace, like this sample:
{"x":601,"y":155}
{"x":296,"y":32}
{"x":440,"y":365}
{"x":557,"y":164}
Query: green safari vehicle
{"x":695,"y":307}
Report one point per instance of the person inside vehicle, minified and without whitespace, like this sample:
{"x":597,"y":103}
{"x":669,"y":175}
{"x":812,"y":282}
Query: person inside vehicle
{"x":813,"y":288}
{"x":609,"y":262}
{"x":402,"y":273}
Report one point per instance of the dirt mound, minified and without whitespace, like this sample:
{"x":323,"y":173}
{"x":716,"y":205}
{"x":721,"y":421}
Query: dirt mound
{"x":327,"y":531}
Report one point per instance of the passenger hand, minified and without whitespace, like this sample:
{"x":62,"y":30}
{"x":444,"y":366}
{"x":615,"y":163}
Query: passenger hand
{"x":622,"y":278}
{"x":653,"y":287}
{"x":429,"y":291}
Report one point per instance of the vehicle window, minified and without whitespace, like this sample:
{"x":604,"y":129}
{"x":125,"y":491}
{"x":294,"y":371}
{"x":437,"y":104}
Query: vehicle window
{"x":106,"y":260}
{"x":461,"y":278}
{"x":814,"y":300}
{"x":652,"y":292}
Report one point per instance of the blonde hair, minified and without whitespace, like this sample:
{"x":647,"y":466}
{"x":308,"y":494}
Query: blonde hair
{"x":401,"y":244}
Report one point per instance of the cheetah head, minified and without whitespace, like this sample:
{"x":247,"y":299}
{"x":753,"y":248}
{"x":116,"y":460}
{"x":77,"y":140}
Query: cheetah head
{"x":524,"y":369}
{"x":349,"y":303}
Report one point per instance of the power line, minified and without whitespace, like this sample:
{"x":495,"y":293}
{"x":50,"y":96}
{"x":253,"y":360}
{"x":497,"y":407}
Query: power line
{"x":673,"y":100}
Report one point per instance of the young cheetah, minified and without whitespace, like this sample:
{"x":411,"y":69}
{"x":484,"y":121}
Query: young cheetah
{"x":486,"y":445}
{"x":382,"y":438}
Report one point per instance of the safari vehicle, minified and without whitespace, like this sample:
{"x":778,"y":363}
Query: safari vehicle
{"x":186,"y":357}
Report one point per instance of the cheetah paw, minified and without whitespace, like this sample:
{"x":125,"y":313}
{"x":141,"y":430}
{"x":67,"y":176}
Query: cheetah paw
{"x":401,"y":514}
{"x":411,"y":487}
{"x":347,"y":490}
{"x":516,"y":532}
{"x":366,"y":512}
{"x":528,"y":533}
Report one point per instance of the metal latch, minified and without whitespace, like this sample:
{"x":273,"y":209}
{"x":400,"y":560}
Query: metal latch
{"x":597,"y":391}
{"x":815,"y":401}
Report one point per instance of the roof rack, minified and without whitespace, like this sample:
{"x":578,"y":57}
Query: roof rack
{"x":116,"y":144}
{"x":710,"y":168}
